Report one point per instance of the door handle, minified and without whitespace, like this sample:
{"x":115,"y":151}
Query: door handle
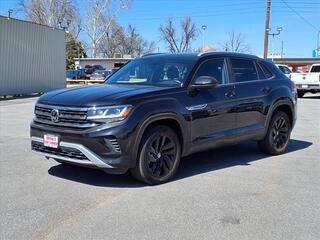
{"x":266,"y":90}
{"x":230,"y":94}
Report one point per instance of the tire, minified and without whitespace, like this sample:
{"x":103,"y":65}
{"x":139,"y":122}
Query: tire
{"x":300,"y":94}
{"x":277,"y":138}
{"x":159,"y":156}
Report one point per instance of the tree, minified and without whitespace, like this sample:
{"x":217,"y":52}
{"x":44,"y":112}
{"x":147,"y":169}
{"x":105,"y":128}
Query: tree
{"x":133,"y":43}
{"x":125,"y":41}
{"x":100,"y":15}
{"x":74,"y":49}
{"x":182,"y":43}
{"x":236,"y":43}
{"x":53,"y":13}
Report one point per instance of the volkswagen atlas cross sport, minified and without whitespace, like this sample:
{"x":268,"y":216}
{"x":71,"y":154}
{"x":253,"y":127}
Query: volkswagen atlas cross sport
{"x":159,"y":108}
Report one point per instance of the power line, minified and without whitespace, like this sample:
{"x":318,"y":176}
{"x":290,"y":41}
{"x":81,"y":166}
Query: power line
{"x":299,"y":15}
{"x":202,"y":15}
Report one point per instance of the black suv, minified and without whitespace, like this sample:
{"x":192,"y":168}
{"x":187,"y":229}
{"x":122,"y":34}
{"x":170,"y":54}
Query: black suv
{"x":161,"y":107}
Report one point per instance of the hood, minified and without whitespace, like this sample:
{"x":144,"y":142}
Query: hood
{"x":94,"y":95}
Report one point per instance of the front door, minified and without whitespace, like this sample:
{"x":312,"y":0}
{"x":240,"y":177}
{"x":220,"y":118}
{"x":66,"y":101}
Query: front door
{"x":211,"y":110}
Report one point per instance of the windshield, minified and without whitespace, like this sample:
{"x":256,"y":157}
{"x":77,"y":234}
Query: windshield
{"x":154,"y":71}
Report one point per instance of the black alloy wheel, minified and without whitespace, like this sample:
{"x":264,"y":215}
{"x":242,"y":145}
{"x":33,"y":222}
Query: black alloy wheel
{"x":161,"y":153}
{"x":280,"y":133}
{"x":159,"y":156}
{"x":277,"y":138}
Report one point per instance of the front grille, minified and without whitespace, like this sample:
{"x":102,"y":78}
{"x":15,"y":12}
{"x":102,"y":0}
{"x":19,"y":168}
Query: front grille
{"x":68,"y":117}
{"x":61,"y":151}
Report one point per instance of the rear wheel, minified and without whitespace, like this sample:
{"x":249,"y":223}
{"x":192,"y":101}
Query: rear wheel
{"x":277,"y":138}
{"x":159,"y":156}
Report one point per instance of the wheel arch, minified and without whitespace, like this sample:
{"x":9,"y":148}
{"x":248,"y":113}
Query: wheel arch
{"x":167,"y":119}
{"x":285,"y":105}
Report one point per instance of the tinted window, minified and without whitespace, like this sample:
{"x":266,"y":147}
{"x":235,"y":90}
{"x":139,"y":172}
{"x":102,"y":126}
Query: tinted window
{"x":284,"y":69}
{"x":260,"y":72}
{"x":243,"y":70}
{"x":216,"y":68}
{"x":315,"y":69}
{"x":266,"y":70}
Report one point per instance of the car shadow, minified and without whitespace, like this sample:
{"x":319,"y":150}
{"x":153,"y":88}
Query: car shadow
{"x":242,"y":154}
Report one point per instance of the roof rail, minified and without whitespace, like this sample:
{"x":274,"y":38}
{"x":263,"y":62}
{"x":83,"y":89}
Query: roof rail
{"x":150,"y":54}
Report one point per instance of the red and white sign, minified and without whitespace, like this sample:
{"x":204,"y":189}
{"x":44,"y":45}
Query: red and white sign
{"x":50,"y":140}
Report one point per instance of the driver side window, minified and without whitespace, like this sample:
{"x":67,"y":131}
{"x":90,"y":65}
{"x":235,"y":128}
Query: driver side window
{"x":216,"y":68}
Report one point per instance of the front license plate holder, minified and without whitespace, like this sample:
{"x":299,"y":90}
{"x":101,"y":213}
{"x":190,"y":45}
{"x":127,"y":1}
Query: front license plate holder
{"x":51,"y":140}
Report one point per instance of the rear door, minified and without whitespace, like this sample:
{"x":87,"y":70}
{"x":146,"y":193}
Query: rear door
{"x":252,"y":88}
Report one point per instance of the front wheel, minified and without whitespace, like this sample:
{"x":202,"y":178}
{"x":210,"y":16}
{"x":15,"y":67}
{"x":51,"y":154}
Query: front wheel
{"x":159,"y":156}
{"x":277,"y":138}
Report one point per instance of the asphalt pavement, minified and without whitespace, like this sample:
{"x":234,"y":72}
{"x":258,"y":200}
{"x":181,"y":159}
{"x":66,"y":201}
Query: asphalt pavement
{"x":234,"y":192}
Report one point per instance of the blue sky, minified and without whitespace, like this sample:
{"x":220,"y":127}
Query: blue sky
{"x":222,"y":17}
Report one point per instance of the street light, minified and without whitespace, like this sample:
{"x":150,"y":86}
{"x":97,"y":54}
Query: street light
{"x":279,"y":29}
{"x":203,"y":27}
{"x":10,"y":11}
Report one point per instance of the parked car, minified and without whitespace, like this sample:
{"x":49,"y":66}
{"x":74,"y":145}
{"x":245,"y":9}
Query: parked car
{"x":285,"y":69}
{"x":100,"y":74}
{"x":307,"y":82}
{"x":76,"y":74}
{"x":159,"y":108}
{"x":89,"y":69}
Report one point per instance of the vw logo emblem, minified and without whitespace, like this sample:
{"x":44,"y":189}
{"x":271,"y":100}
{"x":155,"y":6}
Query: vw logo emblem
{"x":55,"y":115}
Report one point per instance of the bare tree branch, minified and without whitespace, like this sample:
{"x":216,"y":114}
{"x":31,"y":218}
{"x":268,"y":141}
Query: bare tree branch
{"x":182,"y":43}
{"x":50,"y":12}
{"x":125,"y":41}
{"x":100,"y":14}
{"x":236,"y":43}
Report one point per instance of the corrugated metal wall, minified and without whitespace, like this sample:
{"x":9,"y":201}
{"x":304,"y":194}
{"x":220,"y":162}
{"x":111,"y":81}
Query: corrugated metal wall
{"x":32,"y":57}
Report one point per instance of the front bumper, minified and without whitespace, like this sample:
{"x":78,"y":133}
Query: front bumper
{"x":308,"y":87}
{"x":106,"y":149}
{"x":90,"y":159}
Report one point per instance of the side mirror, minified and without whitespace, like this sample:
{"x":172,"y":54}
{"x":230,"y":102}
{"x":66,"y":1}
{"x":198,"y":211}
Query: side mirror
{"x":204,"y":82}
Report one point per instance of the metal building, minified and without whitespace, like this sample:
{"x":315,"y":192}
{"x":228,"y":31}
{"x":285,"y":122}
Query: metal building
{"x":32,"y":57}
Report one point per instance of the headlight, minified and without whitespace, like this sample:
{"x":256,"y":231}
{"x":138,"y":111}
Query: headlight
{"x":109,"y":114}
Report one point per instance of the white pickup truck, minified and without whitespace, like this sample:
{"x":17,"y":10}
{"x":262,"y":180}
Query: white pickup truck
{"x":307,"y":82}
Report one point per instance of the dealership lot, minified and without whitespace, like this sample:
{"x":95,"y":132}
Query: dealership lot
{"x":234,"y":192}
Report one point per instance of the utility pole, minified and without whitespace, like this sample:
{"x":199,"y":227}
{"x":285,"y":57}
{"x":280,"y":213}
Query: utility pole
{"x":318,"y":43}
{"x":266,"y":29}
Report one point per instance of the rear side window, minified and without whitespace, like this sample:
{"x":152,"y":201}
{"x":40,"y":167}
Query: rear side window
{"x":284,"y":69}
{"x":266,"y":71}
{"x":315,"y":69}
{"x":260,"y":72}
{"x":243,"y":70}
